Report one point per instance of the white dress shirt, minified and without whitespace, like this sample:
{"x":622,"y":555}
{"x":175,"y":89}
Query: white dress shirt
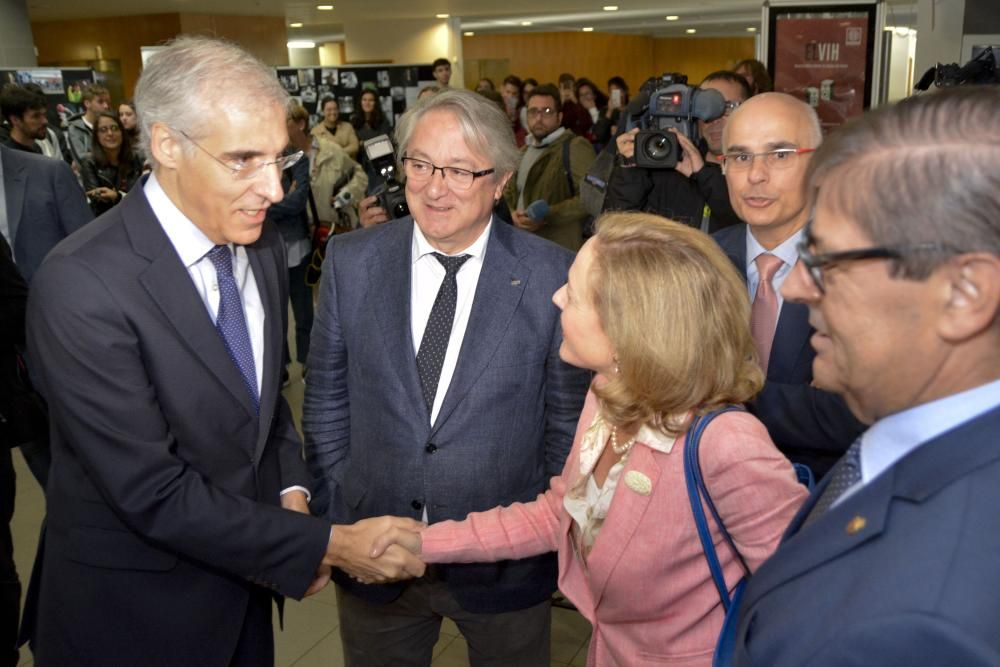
{"x":786,"y":252}
{"x":192,"y":247}
{"x":426,"y":276}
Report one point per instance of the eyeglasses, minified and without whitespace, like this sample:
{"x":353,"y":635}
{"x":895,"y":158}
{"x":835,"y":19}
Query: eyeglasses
{"x":244,"y":171}
{"x":546,"y":111}
{"x":459,"y":179}
{"x":817,"y":263}
{"x":108,"y":129}
{"x":779,"y":158}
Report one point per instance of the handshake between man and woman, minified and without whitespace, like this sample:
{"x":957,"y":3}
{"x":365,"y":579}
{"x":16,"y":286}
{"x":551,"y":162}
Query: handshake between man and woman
{"x":373,"y":551}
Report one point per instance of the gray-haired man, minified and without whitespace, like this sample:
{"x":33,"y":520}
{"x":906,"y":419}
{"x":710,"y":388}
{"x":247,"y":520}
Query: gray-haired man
{"x":436,"y":389}
{"x":157,"y":336}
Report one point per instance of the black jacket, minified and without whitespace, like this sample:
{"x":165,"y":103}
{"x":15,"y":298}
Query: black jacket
{"x":672,"y":195}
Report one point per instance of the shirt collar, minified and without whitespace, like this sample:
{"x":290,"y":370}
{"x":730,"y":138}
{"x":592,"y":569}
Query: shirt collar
{"x":421,"y":246}
{"x":893,"y":437}
{"x":190,"y":242}
{"x":555,"y":134}
{"x":787,"y":251}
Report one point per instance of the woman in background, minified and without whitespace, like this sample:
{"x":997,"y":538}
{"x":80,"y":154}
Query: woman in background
{"x":657,"y":311}
{"x":111,"y":167}
{"x":332,"y":127}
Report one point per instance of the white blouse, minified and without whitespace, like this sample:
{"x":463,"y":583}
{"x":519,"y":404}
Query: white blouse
{"x":588,"y":503}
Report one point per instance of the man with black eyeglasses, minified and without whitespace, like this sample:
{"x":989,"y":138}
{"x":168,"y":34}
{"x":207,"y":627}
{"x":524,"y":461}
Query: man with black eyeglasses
{"x":694,"y":193}
{"x":768,"y":143}
{"x":436,"y":389}
{"x":893,"y":562}
{"x":553,"y":162}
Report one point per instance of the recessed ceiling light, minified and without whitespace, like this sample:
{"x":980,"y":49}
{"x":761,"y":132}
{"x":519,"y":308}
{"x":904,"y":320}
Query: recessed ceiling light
{"x":610,"y":8}
{"x":752,"y":29}
{"x":690,"y":31}
{"x":672,"y":17}
{"x":469,"y":34}
{"x":588,"y":29}
{"x":525,"y":22}
{"x":441,"y":16}
{"x":294,"y":25}
{"x":301,"y":45}
{"x":324,"y":8}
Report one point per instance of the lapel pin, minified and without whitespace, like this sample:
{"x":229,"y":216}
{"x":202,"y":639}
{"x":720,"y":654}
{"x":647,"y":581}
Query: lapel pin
{"x":638,"y":482}
{"x":856,"y":525}
{"x":515,"y":282}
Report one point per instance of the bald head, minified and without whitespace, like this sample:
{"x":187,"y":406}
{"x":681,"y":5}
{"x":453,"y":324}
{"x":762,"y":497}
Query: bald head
{"x":767,"y":189}
{"x":783,"y":105}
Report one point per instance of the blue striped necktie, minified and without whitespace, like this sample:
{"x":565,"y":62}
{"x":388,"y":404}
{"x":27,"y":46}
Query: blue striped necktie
{"x":231,"y":321}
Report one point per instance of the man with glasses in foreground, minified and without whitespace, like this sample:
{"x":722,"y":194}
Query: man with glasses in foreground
{"x":893,"y":562}
{"x":436,"y":389}
{"x":156,"y":333}
{"x":553,"y":162}
{"x":768,"y":144}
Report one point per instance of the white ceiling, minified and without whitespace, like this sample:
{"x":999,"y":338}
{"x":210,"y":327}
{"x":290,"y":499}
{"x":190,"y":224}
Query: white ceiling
{"x":708,"y":17}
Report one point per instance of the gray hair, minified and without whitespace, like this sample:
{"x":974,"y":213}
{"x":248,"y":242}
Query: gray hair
{"x":922,"y":171}
{"x":180,"y":85}
{"x":485,"y":128}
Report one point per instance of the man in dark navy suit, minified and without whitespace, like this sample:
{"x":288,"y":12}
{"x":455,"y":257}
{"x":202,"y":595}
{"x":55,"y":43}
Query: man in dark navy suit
{"x":893,"y":561}
{"x":768,"y":143}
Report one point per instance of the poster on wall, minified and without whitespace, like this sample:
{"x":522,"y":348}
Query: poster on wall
{"x":825,"y":56}
{"x":394,"y":85}
{"x":63,"y":89}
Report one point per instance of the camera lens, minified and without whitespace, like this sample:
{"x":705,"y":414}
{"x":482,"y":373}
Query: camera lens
{"x":400,"y":210}
{"x":659,"y":147}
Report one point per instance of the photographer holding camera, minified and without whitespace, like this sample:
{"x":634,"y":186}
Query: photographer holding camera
{"x":694,"y":191}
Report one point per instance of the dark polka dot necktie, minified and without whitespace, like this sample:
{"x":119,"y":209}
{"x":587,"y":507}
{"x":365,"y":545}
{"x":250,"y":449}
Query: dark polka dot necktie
{"x":231,"y":321}
{"x":844,"y":475}
{"x":434,"y":344}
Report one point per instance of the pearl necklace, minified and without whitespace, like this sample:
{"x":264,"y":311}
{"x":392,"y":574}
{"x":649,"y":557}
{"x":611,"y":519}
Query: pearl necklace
{"x":620,"y":449}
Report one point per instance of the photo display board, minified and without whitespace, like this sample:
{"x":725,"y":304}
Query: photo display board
{"x":825,"y":56}
{"x":63,"y":88}
{"x":396,"y":86}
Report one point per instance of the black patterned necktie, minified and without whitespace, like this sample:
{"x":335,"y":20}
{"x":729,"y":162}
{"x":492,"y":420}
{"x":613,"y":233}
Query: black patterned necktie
{"x":845,"y":474}
{"x":231,"y":321}
{"x":434,"y":344}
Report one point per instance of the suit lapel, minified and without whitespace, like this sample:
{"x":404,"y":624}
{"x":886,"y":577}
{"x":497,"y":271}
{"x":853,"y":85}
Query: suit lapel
{"x":389,"y":276}
{"x":916,"y":477}
{"x":625,"y":515}
{"x":501,"y":285}
{"x":170,"y":287}
{"x":265,"y":274}
{"x":790,"y":336}
{"x":15,"y":182}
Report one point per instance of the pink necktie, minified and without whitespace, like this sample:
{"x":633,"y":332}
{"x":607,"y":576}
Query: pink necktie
{"x":764,"y":311}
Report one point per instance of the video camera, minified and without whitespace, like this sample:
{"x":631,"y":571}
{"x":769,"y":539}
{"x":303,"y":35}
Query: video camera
{"x":385,"y":186}
{"x":983,"y":69}
{"x":663,"y":103}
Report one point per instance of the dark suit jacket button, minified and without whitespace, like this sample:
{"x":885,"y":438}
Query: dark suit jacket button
{"x":431,"y":448}
{"x":417,"y":505}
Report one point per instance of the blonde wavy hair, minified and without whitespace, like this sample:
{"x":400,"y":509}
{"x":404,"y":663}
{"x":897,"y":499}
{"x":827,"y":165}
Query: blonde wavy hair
{"x":677,"y":313}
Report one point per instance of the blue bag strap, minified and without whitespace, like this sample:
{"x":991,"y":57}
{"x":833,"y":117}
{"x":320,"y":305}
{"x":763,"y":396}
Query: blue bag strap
{"x":696,"y":491}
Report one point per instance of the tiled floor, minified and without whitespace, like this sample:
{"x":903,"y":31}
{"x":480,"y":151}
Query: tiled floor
{"x":311,"y":637}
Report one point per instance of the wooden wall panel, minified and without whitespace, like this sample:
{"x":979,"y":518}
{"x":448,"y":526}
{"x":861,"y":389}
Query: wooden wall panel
{"x":699,"y":57}
{"x":546,"y":55}
{"x":72,"y":43}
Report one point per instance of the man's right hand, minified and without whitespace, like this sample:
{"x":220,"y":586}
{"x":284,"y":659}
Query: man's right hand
{"x":626,"y":143}
{"x":351,"y":548}
{"x":370,"y":213}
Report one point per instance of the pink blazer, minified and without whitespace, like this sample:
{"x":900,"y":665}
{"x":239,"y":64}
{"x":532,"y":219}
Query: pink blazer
{"x":645,"y":587}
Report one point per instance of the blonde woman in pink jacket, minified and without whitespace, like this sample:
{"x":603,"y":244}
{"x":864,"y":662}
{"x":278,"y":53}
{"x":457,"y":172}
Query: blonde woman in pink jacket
{"x":659,"y":313}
